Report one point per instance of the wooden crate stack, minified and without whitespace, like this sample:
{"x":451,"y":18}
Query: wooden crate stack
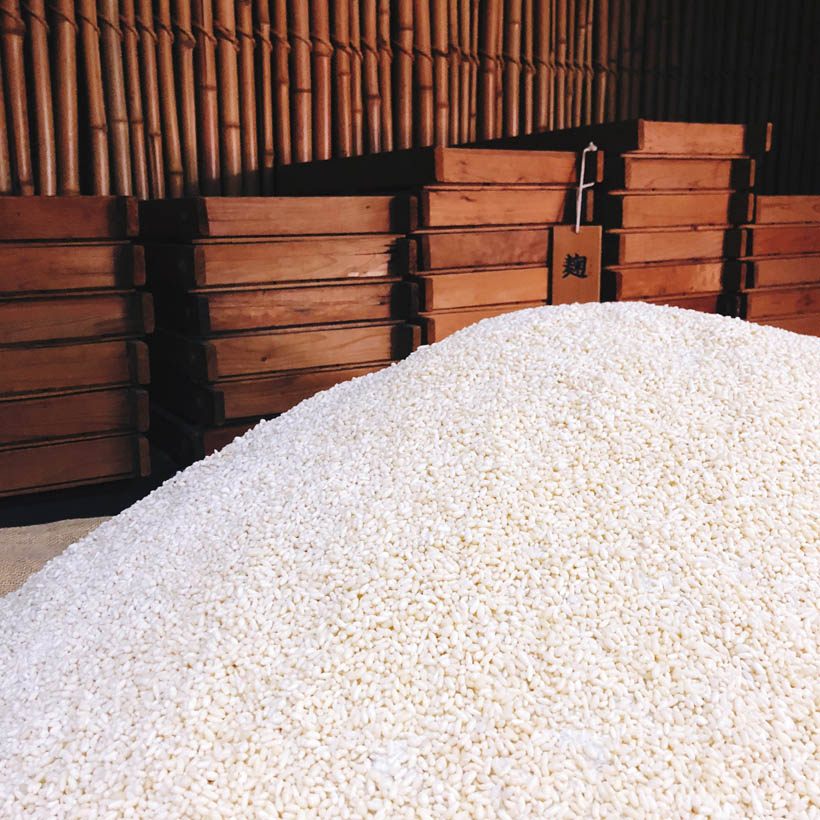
{"x":479,"y":242}
{"x":673,"y":198}
{"x":781,"y":264}
{"x":72,"y":363}
{"x":262,"y":302}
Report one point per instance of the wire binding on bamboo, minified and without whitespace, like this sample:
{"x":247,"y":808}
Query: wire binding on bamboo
{"x":43,"y":113}
{"x":184,"y":43}
{"x":264,"y":50}
{"x":356,"y":60}
{"x":175,"y":175}
{"x":247,"y":98}
{"x":372,"y":93}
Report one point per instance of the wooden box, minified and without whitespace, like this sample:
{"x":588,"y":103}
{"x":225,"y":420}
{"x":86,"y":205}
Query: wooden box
{"x":440,"y":324}
{"x":787,"y":209}
{"x":789,"y":240}
{"x":807,"y":323}
{"x":445,"y":250}
{"x":627,"y":247}
{"x":464,"y":289}
{"x":657,"y":209}
{"x":780,"y":301}
{"x":771,"y":271}
{"x":667,"y":279}
{"x":636,"y":172}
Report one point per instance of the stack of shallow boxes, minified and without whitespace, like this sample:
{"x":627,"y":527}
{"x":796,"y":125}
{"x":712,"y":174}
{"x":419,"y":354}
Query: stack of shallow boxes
{"x":72,"y":409}
{"x":781,"y":264}
{"x":673,"y":198}
{"x":479,"y":239}
{"x":262,"y":302}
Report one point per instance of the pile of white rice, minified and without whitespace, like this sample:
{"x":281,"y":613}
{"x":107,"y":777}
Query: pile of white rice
{"x":565,"y":563}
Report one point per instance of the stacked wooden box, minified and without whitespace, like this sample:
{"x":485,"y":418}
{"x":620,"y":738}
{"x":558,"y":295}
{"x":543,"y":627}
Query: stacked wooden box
{"x":781,"y":264}
{"x":479,"y":242}
{"x":673,"y":198}
{"x":262,"y":302}
{"x":72,"y":363}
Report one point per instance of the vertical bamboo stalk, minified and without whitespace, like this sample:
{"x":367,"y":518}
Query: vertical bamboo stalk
{"x":134,"y":99}
{"x":302,"y":90}
{"x":343,"y":119}
{"x":119,"y":144}
{"x":320,"y":60}
{"x":150,"y":89}
{"x":403,"y":45}
{"x":230,"y":127}
{"x":356,"y":60}
{"x":687,"y":69}
{"x":662,"y":65}
{"x":625,"y":52}
{"x":372,"y":94}
{"x":264,"y":50}
{"x":512,"y":68}
{"x":488,"y":67}
{"x":168,"y":99}
{"x":454,"y":58}
{"x":613,"y":35}
{"x":672,"y":110}
{"x":65,"y":97}
{"x":41,"y":97}
{"x":385,"y":74}
{"x":561,"y":119}
{"x":543,"y":77}
{"x":499,"y":75}
{"x":638,"y":42}
{"x":528,"y":66}
{"x":589,"y":67}
{"x":474,"y":64}
{"x":650,"y":72}
{"x":247,"y":98}
{"x":441,"y":84}
{"x":423,"y":70}
{"x":582,"y":54}
{"x":573,"y":59}
{"x":184,"y":64}
{"x":601,"y":57}
{"x":12,"y":31}
{"x":5,"y":157}
{"x":465,"y":70}
{"x":207,"y":99}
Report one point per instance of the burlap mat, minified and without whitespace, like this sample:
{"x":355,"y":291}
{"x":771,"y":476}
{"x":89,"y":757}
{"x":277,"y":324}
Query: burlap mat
{"x":24,"y":550}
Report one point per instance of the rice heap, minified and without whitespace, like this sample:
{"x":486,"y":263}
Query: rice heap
{"x":565,"y":563}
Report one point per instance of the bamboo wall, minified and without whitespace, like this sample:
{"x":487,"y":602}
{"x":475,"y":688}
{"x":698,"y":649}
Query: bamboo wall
{"x":178,"y":97}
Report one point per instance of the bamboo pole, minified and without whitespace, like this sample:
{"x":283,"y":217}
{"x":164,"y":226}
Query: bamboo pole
{"x":139,"y":161}
{"x":687,"y":68}
{"x":543,"y":76}
{"x":343,"y":111}
{"x":499,"y":74}
{"x":528,"y":68}
{"x":41,"y":97}
{"x":662,"y":68}
{"x":150,"y":90}
{"x":356,"y":60}
{"x":561,"y":101}
{"x":612,"y":66}
{"x":488,"y":67}
{"x":441,"y":78}
{"x":454,"y":57}
{"x":207,"y":100}
{"x":302,"y":126}
{"x":474,"y":64}
{"x":168,"y":99}
{"x":601,"y":64}
{"x":230,"y":127}
{"x":625,"y":52}
{"x":423,"y":70}
{"x":383,"y":41}
{"x":12,"y":32}
{"x":465,"y":70}
{"x":673,"y":100}
{"x":65,"y":97}
{"x":247,"y":98}
{"x":587,"y":68}
{"x":184,"y":43}
{"x":321,"y":54}
{"x":5,"y":157}
{"x":512,"y":68}
{"x":372,"y":94}
{"x":403,"y":45}
{"x":650,"y":71}
{"x":638,"y":42}
{"x":264,"y":50}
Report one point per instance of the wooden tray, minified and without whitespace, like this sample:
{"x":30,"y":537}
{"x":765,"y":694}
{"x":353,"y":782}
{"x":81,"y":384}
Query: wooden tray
{"x":465,"y":289}
{"x":650,"y":209}
{"x":35,"y":369}
{"x":787,"y":209}
{"x":807,"y":323}
{"x":243,"y":262}
{"x":272,"y":216}
{"x":665,"y":279}
{"x":446,"y":250}
{"x":437,"y":326}
{"x":780,"y":301}
{"x":770,"y":271}
{"x":631,"y":246}
{"x":771,"y":240}
{"x":647,"y":172}
{"x":79,"y":316}
{"x":67,"y":217}
{"x":704,"y":302}
{"x":245,"y":354}
{"x":54,"y":465}
{"x":73,"y":414}
{"x":47,"y":266}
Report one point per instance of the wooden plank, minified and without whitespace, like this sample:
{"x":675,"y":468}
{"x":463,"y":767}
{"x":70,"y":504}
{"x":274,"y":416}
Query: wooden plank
{"x":704,"y":302}
{"x":469,"y":249}
{"x":787,"y":209}
{"x":786,"y":239}
{"x":439,"y":325}
{"x":677,"y":173}
{"x":272,"y":216}
{"x":205,"y":312}
{"x":214,"y":264}
{"x":67,"y":217}
{"x":293,"y":349}
{"x":443,"y":291}
{"x":495,"y":206}
{"x":781,"y":270}
{"x":646,"y":281}
{"x":428,"y":166}
{"x":47,"y":319}
{"x":657,"y":210}
{"x":761,"y":302}
{"x":73,"y":414}
{"x":808,"y":323}
{"x":47,"y":266}
{"x":60,"y":367}
{"x":66,"y":464}
{"x":657,"y":246}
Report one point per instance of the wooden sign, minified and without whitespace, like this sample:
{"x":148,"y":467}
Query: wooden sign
{"x":575,"y":271}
